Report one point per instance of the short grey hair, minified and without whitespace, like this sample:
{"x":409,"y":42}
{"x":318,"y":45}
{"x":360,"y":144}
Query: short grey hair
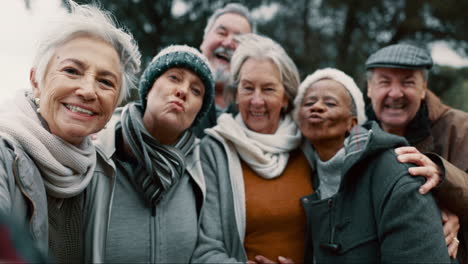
{"x":424,"y":72}
{"x":89,"y":20}
{"x":234,"y":8}
{"x":259,"y":47}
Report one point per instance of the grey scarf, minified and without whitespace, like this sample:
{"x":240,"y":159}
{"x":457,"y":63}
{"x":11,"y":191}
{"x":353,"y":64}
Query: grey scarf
{"x":66,"y":169}
{"x":163,"y":165}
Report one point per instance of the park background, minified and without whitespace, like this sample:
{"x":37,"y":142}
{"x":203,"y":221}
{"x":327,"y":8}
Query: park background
{"x":315,"y":33}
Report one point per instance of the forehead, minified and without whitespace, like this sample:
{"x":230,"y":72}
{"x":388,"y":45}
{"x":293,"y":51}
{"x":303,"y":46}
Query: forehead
{"x":396,"y":73}
{"x":327,"y":87}
{"x":233,"y":22}
{"x":259,"y":68}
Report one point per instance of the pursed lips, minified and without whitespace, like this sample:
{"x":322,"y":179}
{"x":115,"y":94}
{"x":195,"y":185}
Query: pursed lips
{"x":178,"y":104}
{"x":315,"y":118}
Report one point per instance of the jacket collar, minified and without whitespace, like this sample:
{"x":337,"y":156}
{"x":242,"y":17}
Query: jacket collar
{"x":105,"y":144}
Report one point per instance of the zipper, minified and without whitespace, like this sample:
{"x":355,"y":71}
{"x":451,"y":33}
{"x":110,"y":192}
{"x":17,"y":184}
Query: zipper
{"x":152,"y":235}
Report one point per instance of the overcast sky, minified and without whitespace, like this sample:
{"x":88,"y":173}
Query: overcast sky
{"x":20,"y":27}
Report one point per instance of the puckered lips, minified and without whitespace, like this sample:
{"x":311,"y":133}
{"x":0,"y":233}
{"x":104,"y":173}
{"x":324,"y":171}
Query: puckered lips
{"x":178,"y":105}
{"x":81,"y":111}
{"x":315,"y":118}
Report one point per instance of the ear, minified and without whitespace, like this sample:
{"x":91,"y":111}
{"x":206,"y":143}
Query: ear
{"x":352,"y":122}
{"x":33,"y":81}
{"x":369,"y":88}
{"x":285,"y":102}
{"x":423,"y":94}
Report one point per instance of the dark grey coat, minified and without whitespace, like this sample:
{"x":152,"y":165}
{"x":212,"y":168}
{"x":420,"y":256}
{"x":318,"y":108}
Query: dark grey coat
{"x":378,"y":215}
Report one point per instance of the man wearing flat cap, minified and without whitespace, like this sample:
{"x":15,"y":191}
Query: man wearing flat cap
{"x":401,"y":103}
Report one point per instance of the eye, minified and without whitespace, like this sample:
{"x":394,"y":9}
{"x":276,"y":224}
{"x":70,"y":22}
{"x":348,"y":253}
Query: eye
{"x":107,"y":82}
{"x":409,"y":83}
{"x":222,"y":33}
{"x":269,"y":89}
{"x":330,"y":103}
{"x":196,"y":90}
{"x":174,"y":77}
{"x":71,"y":70}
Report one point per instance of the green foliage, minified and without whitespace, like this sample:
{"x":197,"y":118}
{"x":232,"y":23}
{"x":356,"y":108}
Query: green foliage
{"x":316,"y":33}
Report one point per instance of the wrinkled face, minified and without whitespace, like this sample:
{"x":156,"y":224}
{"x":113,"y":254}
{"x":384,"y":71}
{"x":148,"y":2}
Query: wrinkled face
{"x":260,"y":95}
{"x":325,"y":112}
{"x":396,"y":95}
{"x":219,"y":44}
{"x":80,"y":88}
{"x":173,"y":102}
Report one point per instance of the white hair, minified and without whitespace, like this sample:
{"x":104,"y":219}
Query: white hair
{"x":339,"y":76}
{"x":233,"y":8}
{"x":89,"y":20}
{"x":259,"y":47}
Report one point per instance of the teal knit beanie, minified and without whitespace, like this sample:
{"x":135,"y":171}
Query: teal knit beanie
{"x":181,"y":56}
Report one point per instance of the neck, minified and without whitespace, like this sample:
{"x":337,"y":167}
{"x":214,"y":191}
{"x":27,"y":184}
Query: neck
{"x":165,"y":136}
{"x":219,"y":95}
{"x":326,"y":149}
{"x":399,"y":131}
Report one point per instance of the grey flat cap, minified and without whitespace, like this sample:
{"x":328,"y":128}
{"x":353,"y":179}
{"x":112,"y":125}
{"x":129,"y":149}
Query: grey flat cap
{"x":403,"y":56}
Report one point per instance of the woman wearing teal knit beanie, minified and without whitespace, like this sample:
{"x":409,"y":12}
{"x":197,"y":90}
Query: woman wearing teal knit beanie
{"x":158,"y":190}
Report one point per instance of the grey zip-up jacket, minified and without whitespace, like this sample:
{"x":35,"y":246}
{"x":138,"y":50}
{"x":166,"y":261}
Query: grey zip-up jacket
{"x":167,"y":250}
{"x":23,"y":195}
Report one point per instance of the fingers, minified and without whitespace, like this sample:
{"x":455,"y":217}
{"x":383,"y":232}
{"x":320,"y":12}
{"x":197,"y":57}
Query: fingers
{"x":451,"y":226}
{"x":444,"y":216}
{"x":453,"y":248}
{"x":432,"y":178}
{"x":426,"y":167}
{"x":263,"y":260}
{"x":283,"y":260}
{"x":404,"y":150}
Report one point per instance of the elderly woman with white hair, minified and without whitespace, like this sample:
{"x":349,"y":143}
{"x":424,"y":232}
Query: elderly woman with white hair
{"x":254,"y":170}
{"x":84,"y":67}
{"x":366,"y":207}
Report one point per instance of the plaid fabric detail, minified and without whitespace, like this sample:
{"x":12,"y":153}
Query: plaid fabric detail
{"x":400,"y":56}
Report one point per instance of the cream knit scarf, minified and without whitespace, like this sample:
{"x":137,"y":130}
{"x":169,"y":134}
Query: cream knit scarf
{"x":266,"y":154}
{"x":66,"y":169}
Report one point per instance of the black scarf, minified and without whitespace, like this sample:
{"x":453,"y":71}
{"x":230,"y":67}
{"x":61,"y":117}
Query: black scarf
{"x":161,"y":166}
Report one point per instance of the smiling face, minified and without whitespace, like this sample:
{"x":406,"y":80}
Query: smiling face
{"x":325,"y":112}
{"x":218,"y":45}
{"x":80,"y":88}
{"x":173,"y":102}
{"x":396,"y":96}
{"x":260,"y":95}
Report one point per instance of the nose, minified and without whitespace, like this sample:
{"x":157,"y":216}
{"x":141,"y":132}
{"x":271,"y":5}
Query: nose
{"x":257,"y":99}
{"x":318,"y":106}
{"x":181,"y":91}
{"x":229,"y":42}
{"x":87,"y":88}
{"x":395,"y":91}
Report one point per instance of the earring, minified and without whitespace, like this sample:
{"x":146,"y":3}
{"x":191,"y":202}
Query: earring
{"x":37,"y":101}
